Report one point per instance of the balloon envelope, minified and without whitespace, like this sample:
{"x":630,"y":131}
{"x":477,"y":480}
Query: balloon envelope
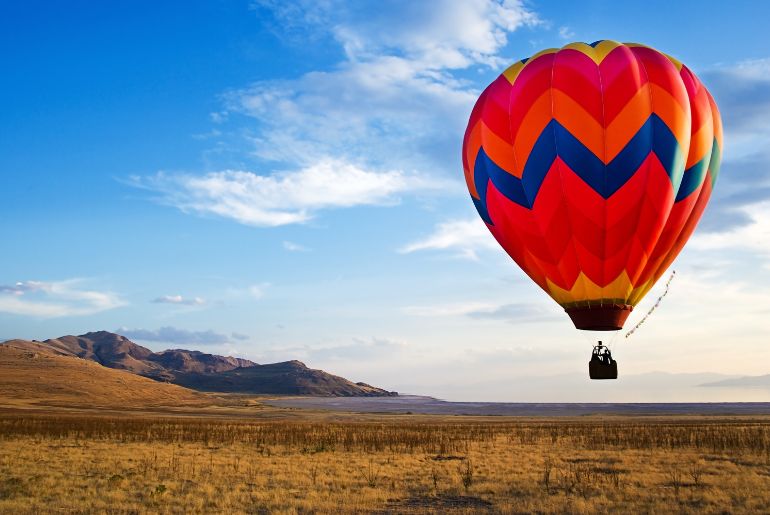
{"x":591,"y":166}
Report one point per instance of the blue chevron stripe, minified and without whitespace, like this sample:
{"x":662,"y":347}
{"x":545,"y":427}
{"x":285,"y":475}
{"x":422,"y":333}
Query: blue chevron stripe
{"x":481,"y":208}
{"x":521,"y":191}
{"x":693,"y":178}
{"x":716,"y":162}
{"x":555,"y":140}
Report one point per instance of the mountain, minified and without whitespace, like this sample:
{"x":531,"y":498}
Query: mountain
{"x":194,"y":361}
{"x":198,"y":370}
{"x":743,"y":382}
{"x":35,"y":374}
{"x":289,"y":377}
{"x":116,"y":351}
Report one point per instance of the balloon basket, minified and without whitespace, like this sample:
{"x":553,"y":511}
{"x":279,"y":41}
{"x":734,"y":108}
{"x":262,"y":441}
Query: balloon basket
{"x":598,"y":370}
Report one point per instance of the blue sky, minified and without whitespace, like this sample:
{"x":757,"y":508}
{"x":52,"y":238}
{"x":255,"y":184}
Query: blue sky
{"x":282,"y":180}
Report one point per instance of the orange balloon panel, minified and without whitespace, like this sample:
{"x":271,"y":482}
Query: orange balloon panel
{"x":591,"y":165}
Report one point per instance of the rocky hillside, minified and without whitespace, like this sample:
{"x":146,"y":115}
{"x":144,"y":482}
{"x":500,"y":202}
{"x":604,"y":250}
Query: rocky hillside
{"x":289,"y":377}
{"x":198,"y":370}
{"x":39,"y":375}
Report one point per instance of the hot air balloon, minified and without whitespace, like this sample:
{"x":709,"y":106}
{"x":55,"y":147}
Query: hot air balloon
{"x":591,"y":165}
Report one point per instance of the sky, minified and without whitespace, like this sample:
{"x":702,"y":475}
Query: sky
{"x":282,"y":180}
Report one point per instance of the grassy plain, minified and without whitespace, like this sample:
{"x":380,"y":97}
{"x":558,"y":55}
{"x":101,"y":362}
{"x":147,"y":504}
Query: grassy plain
{"x":291,"y":461}
{"x":76,"y":437}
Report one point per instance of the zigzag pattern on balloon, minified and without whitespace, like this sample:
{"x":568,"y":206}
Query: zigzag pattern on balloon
{"x":591,"y":165}
{"x":605,"y":179}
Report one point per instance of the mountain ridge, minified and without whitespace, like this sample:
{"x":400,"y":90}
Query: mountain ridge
{"x":761,"y":381}
{"x":199,"y":370}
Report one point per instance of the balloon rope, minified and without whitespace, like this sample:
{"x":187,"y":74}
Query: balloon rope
{"x":654,"y":306}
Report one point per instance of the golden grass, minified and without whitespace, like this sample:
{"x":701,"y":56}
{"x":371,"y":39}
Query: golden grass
{"x":122,"y":464}
{"x":37,"y":378}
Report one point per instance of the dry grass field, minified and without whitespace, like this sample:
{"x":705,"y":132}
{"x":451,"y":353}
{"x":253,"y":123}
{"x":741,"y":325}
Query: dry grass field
{"x":30,"y":378}
{"x":76,"y":437}
{"x":86,"y":463}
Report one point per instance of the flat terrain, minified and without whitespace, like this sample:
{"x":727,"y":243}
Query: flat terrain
{"x":414,"y":404}
{"x":318,"y":462}
{"x":76,"y":437}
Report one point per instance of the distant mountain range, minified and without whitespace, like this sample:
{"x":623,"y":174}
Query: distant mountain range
{"x":743,"y":382}
{"x":198,"y":370}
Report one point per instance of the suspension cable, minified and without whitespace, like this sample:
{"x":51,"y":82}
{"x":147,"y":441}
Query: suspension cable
{"x":654,"y":306}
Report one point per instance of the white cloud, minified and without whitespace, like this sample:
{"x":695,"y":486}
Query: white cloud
{"x":175,"y":336}
{"x":706,"y":310}
{"x":178,"y":299}
{"x":450,"y":310}
{"x":566,"y":33}
{"x":387,"y":110}
{"x":420,"y":30}
{"x":20,"y":288}
{"x":257,"y":291}
{"x":465,"y":237}
{"x":517,"y":313}
{"x":281,"y":198}
{"x":55,"y":299}
{"x":446,"y":32}
{"x":218,"y":116}
{"x":254,"y":291}
{"x":396,"y":99}
{"x":754,"y":236}
{"x":742,"y":93}
{"x":752,"y":69}
{"x":359,"y":349}
{"x":294,"y":247}
{"x":361,"y":131}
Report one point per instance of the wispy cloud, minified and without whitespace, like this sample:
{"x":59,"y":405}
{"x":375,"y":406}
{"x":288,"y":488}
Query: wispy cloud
{"x":179,"y":300}
{"x":400,"y":63}
{"x":514,"y":313}
{"x":463,"y":237}
{"x":253,"y":291}
{"x":257,"y":291}
{"x":175,"y":336}
{"x":753,"y":235}
{"x":566,"y":33}
{"x":518,"y":313}
{"x":20,"y":288}
{"x":450,"y":32}
{"x":55,"y":299}
{"x":450,"y":309}
{"x":359,"y":348}
{"x":379,"y":124}
{"x":294,"y":247}
{"x":742,"y":92}
{"x":281,"y":198}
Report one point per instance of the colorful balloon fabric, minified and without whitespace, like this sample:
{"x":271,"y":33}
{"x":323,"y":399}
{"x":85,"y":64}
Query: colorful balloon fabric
{"x":591,"y":165}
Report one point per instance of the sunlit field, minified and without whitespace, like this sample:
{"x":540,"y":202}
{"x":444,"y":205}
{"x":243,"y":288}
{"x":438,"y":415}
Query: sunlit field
{"x":89,"y":463}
